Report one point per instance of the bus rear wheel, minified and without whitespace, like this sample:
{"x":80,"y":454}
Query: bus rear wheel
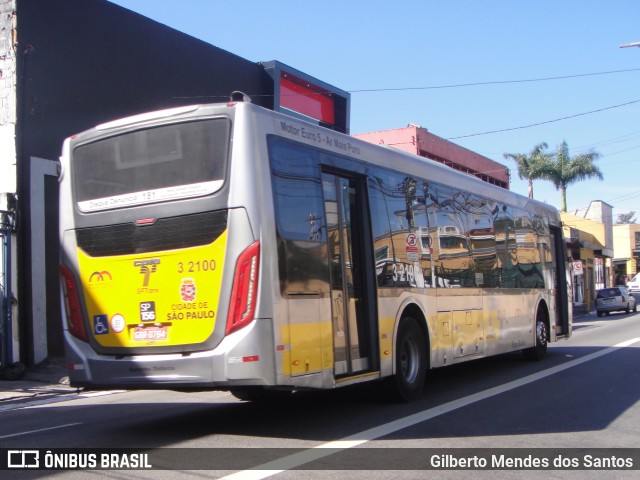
{"x":411,"y":361}
{"x":539,"y":350}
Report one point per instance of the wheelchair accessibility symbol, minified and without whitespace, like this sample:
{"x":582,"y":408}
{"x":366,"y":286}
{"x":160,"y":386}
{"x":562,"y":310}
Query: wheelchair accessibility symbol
{"x":100,"y":325}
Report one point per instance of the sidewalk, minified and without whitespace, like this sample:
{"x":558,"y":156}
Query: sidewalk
{"x":47,"y":380}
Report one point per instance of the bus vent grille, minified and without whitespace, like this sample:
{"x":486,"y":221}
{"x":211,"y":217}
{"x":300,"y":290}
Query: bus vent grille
{"x":165,"y":234}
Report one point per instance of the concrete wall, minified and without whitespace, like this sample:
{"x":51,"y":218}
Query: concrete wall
{"x":624,"y":241}
{"x":7,"y":97}
{"x":601,"y":213}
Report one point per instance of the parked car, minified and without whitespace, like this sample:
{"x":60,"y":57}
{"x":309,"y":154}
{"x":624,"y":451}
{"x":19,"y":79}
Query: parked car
{"x":614,"y":299}
{"x":634,"y":284}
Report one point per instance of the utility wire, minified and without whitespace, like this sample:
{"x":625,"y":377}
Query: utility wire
{"x":495,"y":82}
{"x":546,"y":121}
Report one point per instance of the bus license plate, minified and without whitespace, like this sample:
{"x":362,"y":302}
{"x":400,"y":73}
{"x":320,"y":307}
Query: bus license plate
{"x":150,"y":333}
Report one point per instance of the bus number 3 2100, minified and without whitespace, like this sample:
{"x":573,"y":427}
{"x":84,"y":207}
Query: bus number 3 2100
{"x":197,"y":266}
{"x":404,"y":273}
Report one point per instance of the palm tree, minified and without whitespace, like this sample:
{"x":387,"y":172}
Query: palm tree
{"x":563,"y":170}
{"x":527,"y":164}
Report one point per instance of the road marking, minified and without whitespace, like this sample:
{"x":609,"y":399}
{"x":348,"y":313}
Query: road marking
{"x":39,"y":430}
{"x":296,"y":460}
{"x":63,"y":397}
{"x":100,"y":393}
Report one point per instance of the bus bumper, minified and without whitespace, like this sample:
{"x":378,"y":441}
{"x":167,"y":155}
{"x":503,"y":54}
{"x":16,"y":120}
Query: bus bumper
{"x":240,"y":359}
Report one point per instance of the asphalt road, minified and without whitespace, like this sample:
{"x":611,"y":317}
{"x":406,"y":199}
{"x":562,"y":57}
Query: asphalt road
{"x":583,"y":395}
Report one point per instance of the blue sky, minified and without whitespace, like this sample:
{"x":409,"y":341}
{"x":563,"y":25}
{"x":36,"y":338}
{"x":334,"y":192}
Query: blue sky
{"x":401,"y":49}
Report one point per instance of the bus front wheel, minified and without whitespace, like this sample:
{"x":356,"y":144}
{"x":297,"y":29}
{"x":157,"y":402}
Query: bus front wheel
{"x":411,"y":361}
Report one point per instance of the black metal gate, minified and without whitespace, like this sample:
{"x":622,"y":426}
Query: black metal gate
{"x":8,"y":369}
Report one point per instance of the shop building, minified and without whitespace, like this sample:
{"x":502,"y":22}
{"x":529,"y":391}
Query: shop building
{"x":590,"y":248}
{"x":626,"y":248}
{"x":419,"y":141}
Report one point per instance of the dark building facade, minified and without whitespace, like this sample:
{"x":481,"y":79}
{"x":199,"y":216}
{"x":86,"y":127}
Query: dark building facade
{"x":68,"y":65}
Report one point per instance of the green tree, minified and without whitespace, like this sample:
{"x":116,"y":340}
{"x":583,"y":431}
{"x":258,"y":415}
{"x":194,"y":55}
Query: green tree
{"x":624,"y":218}
{"x":528,"y":163}
{"x":563,"y":170}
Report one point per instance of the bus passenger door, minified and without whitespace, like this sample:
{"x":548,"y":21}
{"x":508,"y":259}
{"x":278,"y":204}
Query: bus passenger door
{"x":352,"y":273}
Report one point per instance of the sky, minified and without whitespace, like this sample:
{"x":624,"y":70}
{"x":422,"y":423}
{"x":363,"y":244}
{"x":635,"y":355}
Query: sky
{"x":528,"y":71}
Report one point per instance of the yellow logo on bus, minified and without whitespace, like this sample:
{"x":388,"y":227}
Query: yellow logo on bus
{"x":155,"y":299}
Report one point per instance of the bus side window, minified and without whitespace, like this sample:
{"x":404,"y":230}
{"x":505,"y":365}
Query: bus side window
{"x":424,"y":212}
{"x":300,"y":217}
{"x":297,"y":192}
{"x":391,"y":218}
{"x":454,"y":266}
{"x":379,"y":191}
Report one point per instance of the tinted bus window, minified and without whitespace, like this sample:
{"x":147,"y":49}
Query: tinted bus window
{"x":297,"y":191}
{"x":149,"y":160}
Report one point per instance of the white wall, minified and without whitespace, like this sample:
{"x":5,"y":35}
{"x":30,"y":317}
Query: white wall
{"x":7,"y":97}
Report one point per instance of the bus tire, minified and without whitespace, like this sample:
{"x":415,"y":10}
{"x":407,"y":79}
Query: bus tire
{"x":411,"y":361}
{"x":539,"y":350}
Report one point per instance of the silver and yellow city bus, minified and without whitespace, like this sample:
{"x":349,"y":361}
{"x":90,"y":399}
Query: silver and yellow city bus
{"x":232,"y":247}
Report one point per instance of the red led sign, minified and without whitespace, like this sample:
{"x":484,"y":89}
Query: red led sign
{"x":307,"y":99}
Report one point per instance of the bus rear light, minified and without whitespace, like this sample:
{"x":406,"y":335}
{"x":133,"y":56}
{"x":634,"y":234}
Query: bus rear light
{"x":72,"y":305}
{"x":242,"y":306}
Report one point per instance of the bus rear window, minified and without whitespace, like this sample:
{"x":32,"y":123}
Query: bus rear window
{"x":151,"y":165}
